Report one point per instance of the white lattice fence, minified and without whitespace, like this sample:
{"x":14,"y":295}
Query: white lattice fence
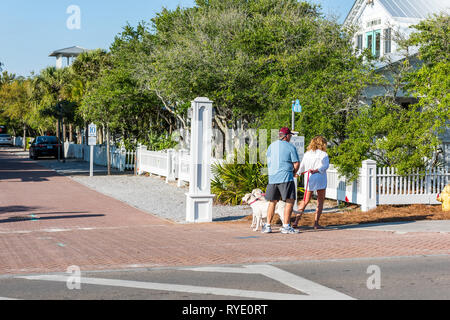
{"x":416,"y":187}
{"x":388,"y":187}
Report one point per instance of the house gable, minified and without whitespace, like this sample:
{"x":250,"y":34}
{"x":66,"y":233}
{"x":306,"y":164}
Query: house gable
{"x":379,"y":22}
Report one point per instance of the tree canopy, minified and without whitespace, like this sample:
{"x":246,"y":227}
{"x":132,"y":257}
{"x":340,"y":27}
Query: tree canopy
{"x":405,"y":137}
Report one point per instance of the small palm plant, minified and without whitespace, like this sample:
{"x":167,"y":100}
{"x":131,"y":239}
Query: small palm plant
{"x":231,"y":181}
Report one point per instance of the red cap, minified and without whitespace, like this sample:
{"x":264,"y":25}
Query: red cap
{"x":285,"y":130}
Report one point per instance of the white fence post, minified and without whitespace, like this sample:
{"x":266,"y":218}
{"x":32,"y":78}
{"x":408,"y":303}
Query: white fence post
{"x":139,"y":158}
{"x":180,"y":182}
{"x":369,"y":185}
{"x":122,"y":159}
{"x":170,"y":176}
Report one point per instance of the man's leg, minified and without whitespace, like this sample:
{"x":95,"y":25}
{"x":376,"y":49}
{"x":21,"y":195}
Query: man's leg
{"x":288,"y":193}
{"x":271,"y":210}
{"x":288,"y":211}
{"x":273,"y":196}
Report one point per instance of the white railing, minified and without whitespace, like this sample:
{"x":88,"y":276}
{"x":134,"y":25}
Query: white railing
{"x":182,"y":167}
{"x":413,"y":188}
{"x":383,"y":186}
{"x":362,"y":191}
{"x":120,"y":158}
{"x":172,"y":164}
{"x":18,"y":141}
{"x":153,"y":162}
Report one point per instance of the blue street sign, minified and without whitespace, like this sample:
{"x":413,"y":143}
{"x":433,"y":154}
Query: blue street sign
{"x":296,"y":107}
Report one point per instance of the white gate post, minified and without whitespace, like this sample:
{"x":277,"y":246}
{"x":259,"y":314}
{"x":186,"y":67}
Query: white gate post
{"x":369,"y":185}
{"x":181,"y":153}
{"x":141,"y":149}
{"x":199,"y":199}
{"x":170,"y":176}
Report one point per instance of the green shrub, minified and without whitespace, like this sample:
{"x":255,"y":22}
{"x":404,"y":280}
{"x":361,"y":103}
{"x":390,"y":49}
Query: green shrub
{"x":231,"y":181}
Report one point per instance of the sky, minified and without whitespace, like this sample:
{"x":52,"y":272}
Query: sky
{"x":30,"y":30}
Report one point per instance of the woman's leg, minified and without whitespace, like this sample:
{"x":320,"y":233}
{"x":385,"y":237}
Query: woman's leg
{"x":320,"y":201}
{"x":301,"y":208}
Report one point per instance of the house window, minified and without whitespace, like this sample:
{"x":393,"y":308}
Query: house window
{"x":387,"y":40}
{"x":373,"y":40}
{"x":377,"y":44}
{"x":370,"y":41}
{"x":359,"y":42}
{"x":373,"y":23}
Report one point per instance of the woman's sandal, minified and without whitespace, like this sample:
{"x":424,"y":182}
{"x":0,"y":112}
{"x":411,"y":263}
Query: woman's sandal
{"x":297,"y":219}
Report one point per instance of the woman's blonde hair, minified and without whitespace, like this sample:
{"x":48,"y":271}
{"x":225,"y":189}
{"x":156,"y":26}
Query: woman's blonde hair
{"x":318,"y":142}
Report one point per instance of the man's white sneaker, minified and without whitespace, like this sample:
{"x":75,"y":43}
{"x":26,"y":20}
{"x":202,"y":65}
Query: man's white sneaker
{"x":289,"y":230}
{"x":266,"y":228}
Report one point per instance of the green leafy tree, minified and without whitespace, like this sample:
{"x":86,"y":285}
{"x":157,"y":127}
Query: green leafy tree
{"x":51,"y":91}
{"x":404,"y":137}
{"x":431,"y":83}
{"x":15,"y":103}
{"x":252,"y":58}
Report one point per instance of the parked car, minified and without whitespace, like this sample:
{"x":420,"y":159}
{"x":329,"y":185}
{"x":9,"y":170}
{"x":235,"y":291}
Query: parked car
{"x":46,"y":146}
{"x":6,"y":139}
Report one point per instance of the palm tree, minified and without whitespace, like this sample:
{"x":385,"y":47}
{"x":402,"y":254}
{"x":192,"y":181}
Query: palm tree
{"x":53,"y":86}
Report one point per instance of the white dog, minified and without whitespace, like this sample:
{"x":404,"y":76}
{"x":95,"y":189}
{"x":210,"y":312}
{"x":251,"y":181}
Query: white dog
{"x":259,"y":206}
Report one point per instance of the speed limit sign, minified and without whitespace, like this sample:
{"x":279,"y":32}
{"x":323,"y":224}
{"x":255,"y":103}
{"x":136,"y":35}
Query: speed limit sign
{"x":92,"y":134}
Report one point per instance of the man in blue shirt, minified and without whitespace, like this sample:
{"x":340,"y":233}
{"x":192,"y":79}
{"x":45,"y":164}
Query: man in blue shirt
{"x":283,"y":163}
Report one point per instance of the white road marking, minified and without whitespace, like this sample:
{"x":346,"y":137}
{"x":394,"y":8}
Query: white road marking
{"x":173,"y":287}
{"x":310,"y":290}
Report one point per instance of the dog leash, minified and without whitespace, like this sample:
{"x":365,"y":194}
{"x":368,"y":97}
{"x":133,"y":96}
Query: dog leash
{"x":307,"y":183}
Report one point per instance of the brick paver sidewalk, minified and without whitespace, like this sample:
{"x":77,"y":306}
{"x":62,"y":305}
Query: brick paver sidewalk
{"x":49,"y":222}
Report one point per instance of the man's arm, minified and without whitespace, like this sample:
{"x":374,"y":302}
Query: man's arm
{"x":296,"y":167}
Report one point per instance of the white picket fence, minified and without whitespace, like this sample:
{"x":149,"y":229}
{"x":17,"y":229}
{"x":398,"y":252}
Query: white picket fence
{"x":121,"y":159}
{"x":383,"y":186}
{"x":172,"y":164}
{"x":414,"y":188}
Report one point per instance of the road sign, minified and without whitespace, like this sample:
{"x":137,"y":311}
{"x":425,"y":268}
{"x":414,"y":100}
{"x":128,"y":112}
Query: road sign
{"x":296,"y":107}
{"x":299,"y":144}
{"x":92,"y":132}
{"x":92,"y":141}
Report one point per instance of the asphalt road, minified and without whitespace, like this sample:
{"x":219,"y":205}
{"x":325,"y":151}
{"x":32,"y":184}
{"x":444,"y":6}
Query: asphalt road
{"x":393,"y":278}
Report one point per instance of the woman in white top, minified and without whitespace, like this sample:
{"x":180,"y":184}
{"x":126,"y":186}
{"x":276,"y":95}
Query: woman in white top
{"x":315,"y":163}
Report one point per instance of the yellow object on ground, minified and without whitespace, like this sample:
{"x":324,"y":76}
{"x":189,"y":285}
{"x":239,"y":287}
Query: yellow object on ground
{"x":444,"y":197}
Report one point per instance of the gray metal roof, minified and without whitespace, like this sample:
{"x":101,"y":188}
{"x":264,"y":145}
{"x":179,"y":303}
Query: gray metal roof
{"x":68,"y":52}
{"x":420,"y":9}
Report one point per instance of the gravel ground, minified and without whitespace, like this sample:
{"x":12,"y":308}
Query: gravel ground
{"x":154,"y":195}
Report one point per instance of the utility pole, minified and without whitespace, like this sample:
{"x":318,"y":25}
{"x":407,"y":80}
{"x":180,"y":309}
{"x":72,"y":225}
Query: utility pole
{"x":60,"y":144}
{"x":58,"y":107}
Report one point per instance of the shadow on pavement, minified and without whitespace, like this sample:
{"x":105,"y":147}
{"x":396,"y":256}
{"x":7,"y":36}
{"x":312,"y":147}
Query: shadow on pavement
{"x":23,"y":170}
{"x":7,"y":209}
{"x":382,"y":222}
{"x":31,"y":170}
{"x":36,"y":218}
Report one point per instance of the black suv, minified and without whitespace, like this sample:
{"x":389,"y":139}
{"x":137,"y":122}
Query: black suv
{"x":46,"y":146}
